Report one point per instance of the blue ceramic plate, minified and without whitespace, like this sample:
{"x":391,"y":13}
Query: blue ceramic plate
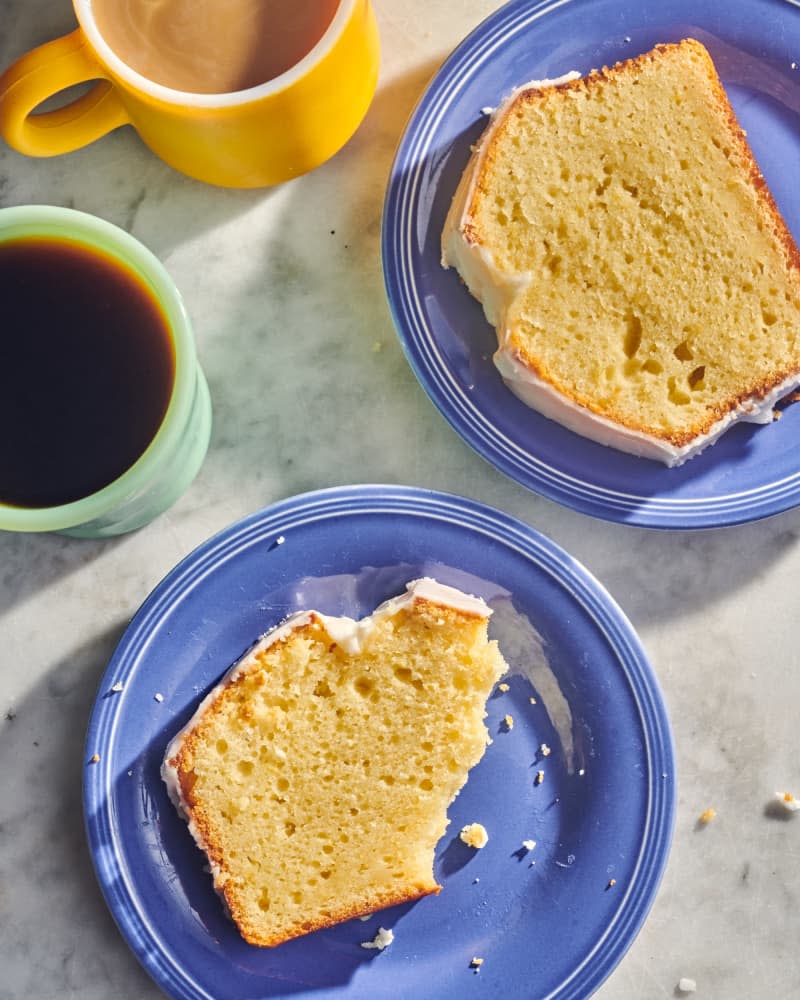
{"x":753,"y":471}
{"x":546,"y":923}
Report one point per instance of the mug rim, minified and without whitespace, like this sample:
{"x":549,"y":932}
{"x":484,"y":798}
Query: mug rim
{"x":22,"y":221}
{"x":186,"y":98}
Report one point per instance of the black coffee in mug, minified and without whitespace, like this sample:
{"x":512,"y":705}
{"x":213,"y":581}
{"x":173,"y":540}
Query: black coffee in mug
{"x":87,"y":366}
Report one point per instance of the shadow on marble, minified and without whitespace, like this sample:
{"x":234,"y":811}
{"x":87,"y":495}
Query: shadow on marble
{"x":657,"y":576}
{"x":29,"y":563}
{"x":61,"y":939}
{"x":304,"y":355}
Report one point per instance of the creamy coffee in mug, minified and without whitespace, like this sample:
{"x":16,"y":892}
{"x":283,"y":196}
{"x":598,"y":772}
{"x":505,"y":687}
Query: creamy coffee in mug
{"x":239,"y":93}
{"x":212,"y":46}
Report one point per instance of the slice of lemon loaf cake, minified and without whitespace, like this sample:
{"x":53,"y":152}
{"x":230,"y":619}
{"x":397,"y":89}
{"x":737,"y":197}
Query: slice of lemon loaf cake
{"x":616,"y":228}
{"x":317,"y":775}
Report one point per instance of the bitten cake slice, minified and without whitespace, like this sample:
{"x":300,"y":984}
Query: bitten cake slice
{"x":616,"y":228}
{"x":317,"y":775}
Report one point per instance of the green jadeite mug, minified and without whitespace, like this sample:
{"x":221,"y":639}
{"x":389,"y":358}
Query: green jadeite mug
{"x":172,"y":458}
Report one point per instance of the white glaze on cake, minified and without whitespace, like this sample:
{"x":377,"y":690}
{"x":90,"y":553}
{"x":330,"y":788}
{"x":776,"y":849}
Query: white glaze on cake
{"x":545,"y":399}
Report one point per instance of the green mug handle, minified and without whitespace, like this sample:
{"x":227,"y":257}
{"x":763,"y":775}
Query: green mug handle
{"x":45,"y":71}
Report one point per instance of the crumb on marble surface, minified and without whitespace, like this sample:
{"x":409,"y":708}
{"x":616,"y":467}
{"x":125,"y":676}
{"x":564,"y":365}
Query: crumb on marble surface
{"x":707,"y":816}
{"x":789,"y":802}
{"x":686,"y":985}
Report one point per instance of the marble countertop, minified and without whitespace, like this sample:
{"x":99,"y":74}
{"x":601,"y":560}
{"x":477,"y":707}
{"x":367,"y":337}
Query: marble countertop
{"x":282,"y":285}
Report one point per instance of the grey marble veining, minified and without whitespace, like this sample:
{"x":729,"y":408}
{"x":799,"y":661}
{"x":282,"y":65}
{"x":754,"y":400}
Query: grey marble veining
{"x":311,"y":389}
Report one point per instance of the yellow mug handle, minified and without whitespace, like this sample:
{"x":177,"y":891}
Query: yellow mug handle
{"x":45,"y":71}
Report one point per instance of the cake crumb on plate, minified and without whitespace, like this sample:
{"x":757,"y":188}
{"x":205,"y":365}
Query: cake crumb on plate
{"x":381,"y":940}
{"x":474,"y":835}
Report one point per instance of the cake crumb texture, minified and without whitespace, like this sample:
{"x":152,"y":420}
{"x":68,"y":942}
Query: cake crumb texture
{"x":318,"y":778}
{"x":633,"y":259}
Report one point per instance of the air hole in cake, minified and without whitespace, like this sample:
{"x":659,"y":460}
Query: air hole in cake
{"x":633,"y":334}
{"x":323,"y":690}
{"x":264,"y":901}
{"x":696,"y":377}
{"x":289,"y":828}
{"x":245,"y":767}
{"x":683,"y":352}
{"x":283,"y":784}
{"x":677,"y":396}
{"x":363,"y":685}
{"x":768,"y":317}
{"x":426,"y":785}
{"x":553,"y":264}
{"x":387,"y":779}
{"x":652,"y":367}
{"x":222,"y":747}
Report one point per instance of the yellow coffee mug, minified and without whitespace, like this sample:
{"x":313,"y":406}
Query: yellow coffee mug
{"x":250,"y":138}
